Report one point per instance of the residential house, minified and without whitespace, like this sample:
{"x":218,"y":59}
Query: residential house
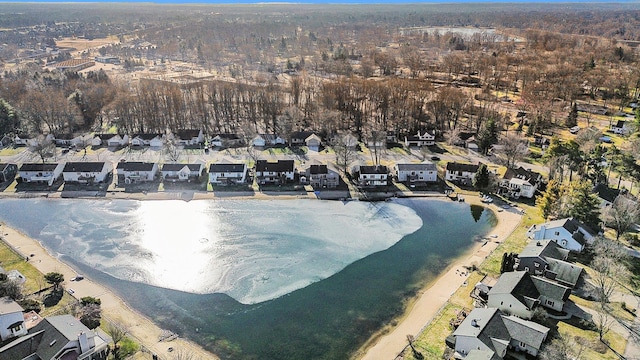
{"x":225,"y":140}
{"x":520,"y":182}
{"x":189,"y":137}
{"x":569,"y":233}
{"x":8,"y":172}
{"x":86,"y":172}
{"x":344,"y":138}
{"x":131,"y":172}
{"x":518,"y":293}
{"x":606,"y":194}
{"x":420,"y":139}
{"x":546,"y":258}
{"x":279,"y":172}
{"x":65,"y":140}
{"x":182,"y":172}
{"x":487,"y":329}
{"x":225,"y":174}
{"x":313,"y":142}
{"x":319,"y":176}
{"x":22,"y":140}
{"x":61,"y":337}
{"x":110,"y":140}
{"x":11,"y":319}
{"x":299,"y":138}
{"x":263,"y":140}
{"x":424,"y":172}
{"x":153,"y":140}
{"x":460,"y":173}
{"x":373,"y":176}
{"x":6,"y":140}
{"x":621,"y":128}
{"x":40,"y":172}
{"x":391,"y":137}
{"x":476,"y":354}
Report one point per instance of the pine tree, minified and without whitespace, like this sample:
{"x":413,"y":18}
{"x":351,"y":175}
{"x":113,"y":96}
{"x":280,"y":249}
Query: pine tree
{"x":572,"y":118}
{"x":584,"y":205}
{"x":550,"y":203}
{"x":481,"y":178}
{"x":488,"y":136}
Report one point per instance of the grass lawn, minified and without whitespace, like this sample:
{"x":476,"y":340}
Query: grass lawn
{"x":514,"y":243}
{"x":594,"y":348}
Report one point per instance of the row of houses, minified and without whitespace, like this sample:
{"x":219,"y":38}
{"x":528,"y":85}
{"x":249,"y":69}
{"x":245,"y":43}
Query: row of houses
{"x":515,"y":183}
{"x":540,"y":277}
{"x":26,"y":335}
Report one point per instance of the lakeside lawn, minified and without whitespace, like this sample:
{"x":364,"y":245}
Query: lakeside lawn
{"x":431,"y":341}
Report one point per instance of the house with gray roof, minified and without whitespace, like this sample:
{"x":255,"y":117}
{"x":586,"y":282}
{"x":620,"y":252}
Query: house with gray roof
{"x":489,"y":330}
{"x":182,"y":172}
{"x":279,"y":172}
{"x":373,"y":176}
{"x":86,"y":172}
{"x":569,"y":233}
{"x":60,"y":337}
{"x":320,"y":176}
{"x":460,"y":172}
{"x":227,"y":173}
{"x":476,"y":354}
{"x":11,"y":319}
{"x":518,"y":293}
{"x":546,"y":258}
{"x":131,"y":172}
{"x":47,"y":173}
{"x":424,"y":172}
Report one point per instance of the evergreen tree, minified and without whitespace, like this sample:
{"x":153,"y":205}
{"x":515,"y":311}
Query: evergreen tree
{"x":8,"y":118}
{"x":481,"y":178}
{"x":584,"y":205}
{"x":550,"y":201}
{"x":487,"y":136}
{"x":572,"y":119}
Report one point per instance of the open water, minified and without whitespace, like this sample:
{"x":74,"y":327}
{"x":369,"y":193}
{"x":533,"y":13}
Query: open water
{"x":287,"y":279}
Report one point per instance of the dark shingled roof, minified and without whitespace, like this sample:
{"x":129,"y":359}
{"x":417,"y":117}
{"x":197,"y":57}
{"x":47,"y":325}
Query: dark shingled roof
{"x":187,"y":133}
{"x":147,"y":136}
{"x":551,"y":289}
{"x":318,"y":169}
{"x":519,"y":285}
{"x":135,"y":166}
{"x":279,"y":166}
{"x":454,"y":166}
{"x":380,"y":169}
{"x":606,"y":193}
{"x":522,"y":173}
{"x":83,"y":167}
{"x":38,"y":167}
{"x":228,"y":168}
{"x":544,"y":249}
{"x":178,"y":167}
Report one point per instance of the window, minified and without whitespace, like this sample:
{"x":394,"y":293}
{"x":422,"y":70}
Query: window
{"x":536,"y":264}
{"x":550,"y":303}
{"x":523,"y":345}
{"x":557,"y":233}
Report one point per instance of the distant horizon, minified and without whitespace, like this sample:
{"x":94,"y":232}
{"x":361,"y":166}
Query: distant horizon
{"x":334,"y":2}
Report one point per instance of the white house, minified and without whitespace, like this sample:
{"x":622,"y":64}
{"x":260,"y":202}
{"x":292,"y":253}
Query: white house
{"x":153,"y":140}
{"x":11,"y":319}
{"x":417,"y":173}
{"x":59,"y":337}
{"x":620,"y":128}
{"x":278,"y":172}
{"x":518,"y":293}
{"x":223,"y":174}
{"x":225,"y":140}
{"x":313,"y":142}
{"x":568,"y":233}
{"x":40,"y":173}
{"x":131,"y":172}
{"x":110,"y":140}
{"x":373,"y":176}
{"x":68,"y":140}
{"x":86,"y":172}
{"x":319,"y":176}
{"x":520,"y":182}
{"x":460,"y":173}
{"x":420,"y":139}
{"x":262,"y":140}
{"x":189,"y":137}
{"x":488,"y":330}
{"x":181,"y":172}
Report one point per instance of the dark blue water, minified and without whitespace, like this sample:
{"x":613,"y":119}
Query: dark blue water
{"x":328,"y":319}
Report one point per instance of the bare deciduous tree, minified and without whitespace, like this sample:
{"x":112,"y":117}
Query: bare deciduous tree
{"x":608,"y":262}
{"x":513,"y":148}
{"x":621,"y":215}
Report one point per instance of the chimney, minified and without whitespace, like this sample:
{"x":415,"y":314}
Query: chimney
{"x":474,"y":323}
{"x":538,"y":243}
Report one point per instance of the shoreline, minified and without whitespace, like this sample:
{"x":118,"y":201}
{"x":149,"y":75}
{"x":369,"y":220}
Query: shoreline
{"x":385,"y":344}
{"x":138,"y":326}
{"x":389,"y":342}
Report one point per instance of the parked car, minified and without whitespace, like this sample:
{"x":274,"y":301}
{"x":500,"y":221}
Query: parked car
{"x":574,"y":130}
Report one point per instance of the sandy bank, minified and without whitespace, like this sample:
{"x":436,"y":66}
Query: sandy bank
{"x":141,"y":328}
{"x":436,"y":293}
